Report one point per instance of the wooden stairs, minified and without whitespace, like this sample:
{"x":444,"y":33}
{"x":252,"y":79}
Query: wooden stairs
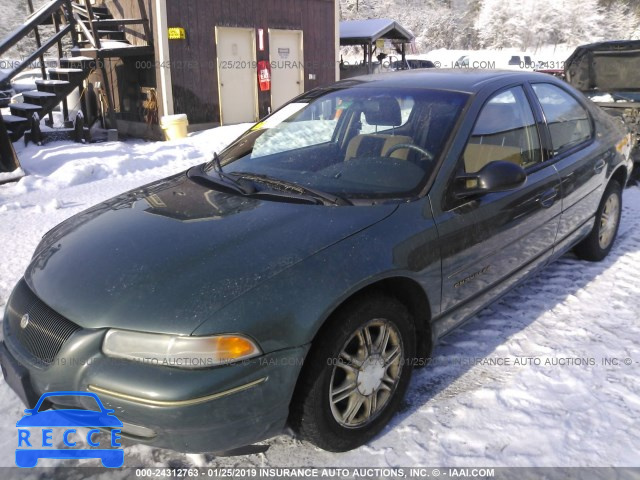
{"x":95,"y":35}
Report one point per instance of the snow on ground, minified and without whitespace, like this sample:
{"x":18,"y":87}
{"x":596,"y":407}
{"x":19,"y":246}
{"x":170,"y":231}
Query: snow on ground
{"x":521,"y":384}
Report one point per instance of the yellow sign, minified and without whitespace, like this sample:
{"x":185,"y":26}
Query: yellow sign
{"x":177,"y":33}
{"x":380,"y":43}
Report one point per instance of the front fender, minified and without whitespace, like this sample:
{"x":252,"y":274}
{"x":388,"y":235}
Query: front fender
{"x":289,"y":309}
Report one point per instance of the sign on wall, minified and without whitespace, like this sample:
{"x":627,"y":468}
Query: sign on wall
{"x":177,"y":33}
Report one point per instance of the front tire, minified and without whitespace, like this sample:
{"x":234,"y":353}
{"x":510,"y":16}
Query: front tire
{"x":597,"y":245}
{"x":355,"y":375}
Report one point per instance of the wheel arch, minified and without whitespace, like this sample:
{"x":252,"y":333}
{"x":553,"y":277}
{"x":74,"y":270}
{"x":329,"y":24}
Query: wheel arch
{"x":620,"y":175}
{"x":408,"y":292}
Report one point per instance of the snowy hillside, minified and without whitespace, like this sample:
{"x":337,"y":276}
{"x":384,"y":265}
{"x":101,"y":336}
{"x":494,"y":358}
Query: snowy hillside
{"x":522,"y":24}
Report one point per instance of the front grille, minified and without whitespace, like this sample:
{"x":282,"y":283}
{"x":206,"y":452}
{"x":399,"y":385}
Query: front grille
{"x":44,"y":333}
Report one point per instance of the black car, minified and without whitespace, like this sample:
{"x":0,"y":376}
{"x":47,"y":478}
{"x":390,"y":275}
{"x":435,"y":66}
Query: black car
{"x":299,"y":276}
{"x":411,"y":64}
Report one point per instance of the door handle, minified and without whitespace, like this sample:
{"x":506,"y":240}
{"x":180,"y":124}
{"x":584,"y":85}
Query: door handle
{"x":599,"y":166}
{"x":548,"y":198}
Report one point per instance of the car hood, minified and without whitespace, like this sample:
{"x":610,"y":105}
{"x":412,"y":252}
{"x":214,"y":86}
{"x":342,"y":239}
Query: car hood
{"x":605,"y":66}
{"x":165,"y":257}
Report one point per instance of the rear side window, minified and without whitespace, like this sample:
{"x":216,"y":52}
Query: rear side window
{"x":568,"y":121}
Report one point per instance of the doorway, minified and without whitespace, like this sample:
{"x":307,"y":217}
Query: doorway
{"x":287,"y":65}
{"x":237,"y":75}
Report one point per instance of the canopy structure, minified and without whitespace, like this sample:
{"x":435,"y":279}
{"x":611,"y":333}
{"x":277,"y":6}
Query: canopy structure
{"x":368,"y":32}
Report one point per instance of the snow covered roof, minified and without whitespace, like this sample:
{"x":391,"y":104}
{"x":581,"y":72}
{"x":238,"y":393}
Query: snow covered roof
{"x":357,"y":32}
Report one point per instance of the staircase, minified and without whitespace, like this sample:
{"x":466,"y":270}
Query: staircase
{"x":60,"y":83}
{"x":95,"y":35}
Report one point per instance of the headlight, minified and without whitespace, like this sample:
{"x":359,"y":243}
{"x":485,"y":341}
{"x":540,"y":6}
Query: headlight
{"x":176,"y":351}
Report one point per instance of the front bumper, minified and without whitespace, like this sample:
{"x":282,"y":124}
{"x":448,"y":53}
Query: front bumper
{"x":194,"y":411}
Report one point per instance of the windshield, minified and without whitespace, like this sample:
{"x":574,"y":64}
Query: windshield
{"x":352,"y":142}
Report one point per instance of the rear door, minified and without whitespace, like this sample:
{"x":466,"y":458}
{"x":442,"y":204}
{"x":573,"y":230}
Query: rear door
{"x":497,"y":236}
{"x":580,"y":160}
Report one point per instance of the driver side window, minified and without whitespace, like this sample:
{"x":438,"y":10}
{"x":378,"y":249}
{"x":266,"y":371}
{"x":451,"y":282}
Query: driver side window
{"x":505,"y":130}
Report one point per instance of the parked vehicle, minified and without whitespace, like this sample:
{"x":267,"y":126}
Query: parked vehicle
{"x":26,"y":81}
{"x":300,"y":275}
{"x":495,"y":59}
{"x":606,"y":72}
{"x":556,"y":72}
{"x":411,"y":63}
{"x":521,"y":61}
{"x":6,"y":92}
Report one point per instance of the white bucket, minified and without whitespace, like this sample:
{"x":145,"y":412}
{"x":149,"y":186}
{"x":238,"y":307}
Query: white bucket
{"x":174,"y":126}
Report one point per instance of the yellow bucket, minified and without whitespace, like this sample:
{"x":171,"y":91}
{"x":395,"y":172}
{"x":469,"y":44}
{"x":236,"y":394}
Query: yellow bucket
{"x":174,"y":126}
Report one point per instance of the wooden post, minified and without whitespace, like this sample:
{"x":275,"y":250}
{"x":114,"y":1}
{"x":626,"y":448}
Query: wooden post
{"x":56,"y":26}
{"x":8,"y":158}
{"x":113,"y":122}
{"x":43,"y":67}
{"x":71,"y":20}
{"x":145,"y":24}
{"x":65,"y":106}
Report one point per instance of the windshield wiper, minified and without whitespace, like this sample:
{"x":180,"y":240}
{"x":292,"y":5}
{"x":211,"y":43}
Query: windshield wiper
{"x":292,"y":187}
{"x":201,"y":174}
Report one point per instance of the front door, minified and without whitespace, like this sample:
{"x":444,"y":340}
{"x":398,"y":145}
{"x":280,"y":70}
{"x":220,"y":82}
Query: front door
{"x":503,"y":235}
{"x":287,"y":66}
{"x":237,"y":75}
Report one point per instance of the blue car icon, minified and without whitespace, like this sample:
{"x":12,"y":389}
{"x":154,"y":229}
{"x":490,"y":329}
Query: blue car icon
{"x":46,"y":420}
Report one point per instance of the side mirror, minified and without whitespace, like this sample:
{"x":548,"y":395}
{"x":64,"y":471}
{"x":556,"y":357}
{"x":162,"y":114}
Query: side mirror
{"x":498,"y":176}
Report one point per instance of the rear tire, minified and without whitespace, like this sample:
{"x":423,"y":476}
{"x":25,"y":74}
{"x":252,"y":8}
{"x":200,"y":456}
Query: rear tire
{"x":355,"y":375}
{"x":597,"y":245}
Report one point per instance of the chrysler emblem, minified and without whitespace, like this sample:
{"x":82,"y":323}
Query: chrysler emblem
{"x":24,"y":321}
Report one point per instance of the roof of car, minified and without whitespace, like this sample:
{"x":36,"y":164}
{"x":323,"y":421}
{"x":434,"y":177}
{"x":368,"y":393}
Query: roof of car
{"x":463,"y":80}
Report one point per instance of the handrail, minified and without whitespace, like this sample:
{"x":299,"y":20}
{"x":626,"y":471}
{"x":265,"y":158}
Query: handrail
{"x":46,"y":46}
{"x":26,"y":28}
{"x":85,"y":30}
{"x":96,"y":37}
{"x":86,"y":15}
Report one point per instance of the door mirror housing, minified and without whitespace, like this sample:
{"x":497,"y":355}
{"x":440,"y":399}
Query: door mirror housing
{"x":497,"y":176}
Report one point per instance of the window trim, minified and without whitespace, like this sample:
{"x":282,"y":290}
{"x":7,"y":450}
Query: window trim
{"x":563,"y":153}
{"x":541,"y":145}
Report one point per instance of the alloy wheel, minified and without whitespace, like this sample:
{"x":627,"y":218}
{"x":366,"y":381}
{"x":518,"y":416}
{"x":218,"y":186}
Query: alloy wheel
{"x":366,"y":373}
{"x":609,"y":221}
